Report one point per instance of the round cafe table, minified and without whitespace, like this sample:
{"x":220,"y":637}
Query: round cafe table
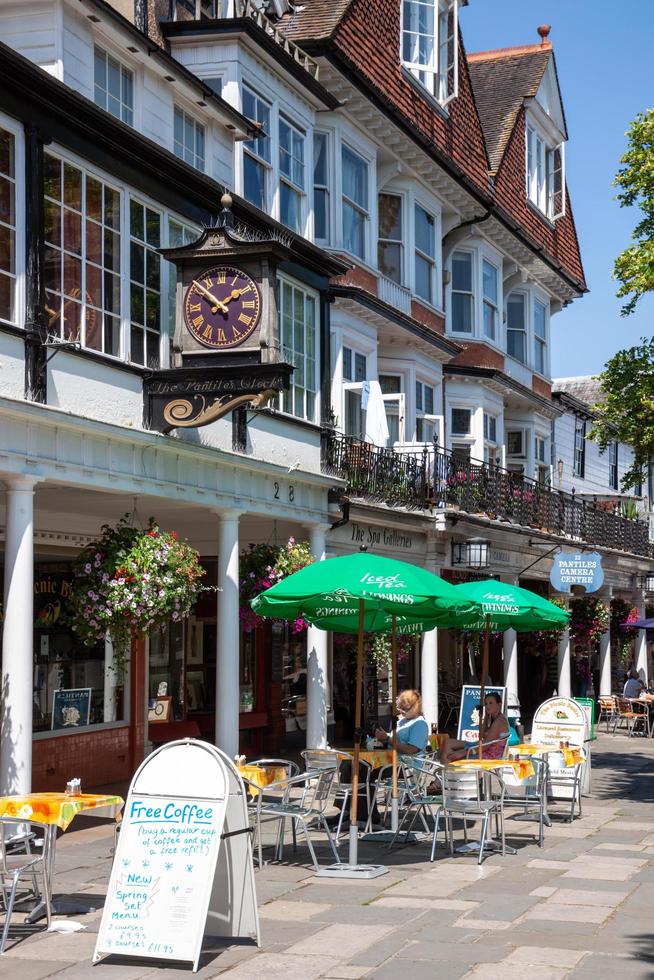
{"x":52,"y":811}
{"x":261,"y":776}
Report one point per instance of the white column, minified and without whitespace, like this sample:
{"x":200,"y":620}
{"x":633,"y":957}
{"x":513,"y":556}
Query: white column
{"x":429,"y":676}
{"x":110,"y":680}
{"x":510,"y":650}
{"x":227,"y":635}
{"x":564,"y":688}
{"x":640,"y":658}
{"x":317,"y":661}
{"x":17,"y":639}
{"x":605,"y":655}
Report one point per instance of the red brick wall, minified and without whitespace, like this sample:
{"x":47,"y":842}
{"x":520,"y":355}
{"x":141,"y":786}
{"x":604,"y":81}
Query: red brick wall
{"x":369,"y":37}
{"x":356,"y":276}
{"x":426,"y":316}
{"x":559,"y":238}
{"x":541,"y":387}
{"x":479,"y":355}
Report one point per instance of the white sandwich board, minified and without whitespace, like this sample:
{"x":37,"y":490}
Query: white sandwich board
{"x":563,"y":720}
{"x":183,"y":863}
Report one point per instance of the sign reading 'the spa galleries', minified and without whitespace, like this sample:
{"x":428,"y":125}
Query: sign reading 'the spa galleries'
{"x":572,"y":568}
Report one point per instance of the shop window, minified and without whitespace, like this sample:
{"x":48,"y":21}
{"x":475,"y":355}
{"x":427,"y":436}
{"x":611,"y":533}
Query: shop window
{"x":145,"y":284}
{"x":167,"y":667}
{"x":7,"y":226}
{"x":297,"y":318}
{"x":289,"y":664}
{"x":82,"y":257}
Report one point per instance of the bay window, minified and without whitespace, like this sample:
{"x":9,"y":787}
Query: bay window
{"x":256,"y":152}
{"x":516,"y":327}
{"x":188,"y":138}
{"x":113,"y":86}
{"x":430,"y":45}
{"x":425,"y":255}
{"x":489,"y":277}
{"x":462,"y":293}
{"x":425,"y":419}
{"x":291,"y":175}
{"x":540,"y":338}
{"x":8,"y":226}
{"x":355,"y":202}
{"x":354,"y":374}
{"x":297,"y":325}
{"x":490,"y":438}
{"x":545,"y":174}
{"x":389,"y":243}
{"x":321,"y":187}
{"x":145,"y":284}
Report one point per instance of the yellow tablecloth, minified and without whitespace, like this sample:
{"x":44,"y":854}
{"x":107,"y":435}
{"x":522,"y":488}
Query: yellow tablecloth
{"x":377,"y":758}
{"x":571,"y":756}
{"x":523,"y":768}
{"x":55,"y":808}
{"x":262,"y":776}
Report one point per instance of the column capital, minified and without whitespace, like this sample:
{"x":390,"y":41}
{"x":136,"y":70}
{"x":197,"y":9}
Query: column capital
{"x":319,"y":528}
{"x":23,"y":482}
{"x":228,"y":514}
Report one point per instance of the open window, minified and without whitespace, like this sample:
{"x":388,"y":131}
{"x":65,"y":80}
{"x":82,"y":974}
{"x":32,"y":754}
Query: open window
{"x":394,"y":403}
{"x":430,"y":45}
{"x":545,"y":174}
{"x":354,"y":374}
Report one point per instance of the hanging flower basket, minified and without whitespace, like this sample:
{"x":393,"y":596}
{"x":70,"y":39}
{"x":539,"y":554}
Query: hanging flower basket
{"x":379,"y":651}
{"x":263,"y":565}
{"x":590,"y":618}
{"x":132,"y":581}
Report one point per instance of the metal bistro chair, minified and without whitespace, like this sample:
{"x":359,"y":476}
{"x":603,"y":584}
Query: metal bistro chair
{"x":633,"y":713}
{"x":317,"y":759}
{"x":15,"y":866}
{"x":317,"y":795}
{"x":452,"y":704}
{"x":564,"y":782}
{"x":530,"y":794}
{"x":607,"y":710}
{"x":463,"y":797}
{"x":418,"y":776}
{"x":292,"y":769}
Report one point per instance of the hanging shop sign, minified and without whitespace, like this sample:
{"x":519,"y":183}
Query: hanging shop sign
{"x":577,"y":568}
{"x":183,"y":864}
{"x":469,"y":710}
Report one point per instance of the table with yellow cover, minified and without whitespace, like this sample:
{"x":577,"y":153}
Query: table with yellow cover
{"x":375,"y":757}
{"x":572,"y":755}
{"x":52,"y":811}
{"x":261,"y":776}
{"x":522,"y":768}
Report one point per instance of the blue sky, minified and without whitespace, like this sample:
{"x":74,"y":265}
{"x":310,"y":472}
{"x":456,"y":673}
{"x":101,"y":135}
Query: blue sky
{"x":604,"y":59}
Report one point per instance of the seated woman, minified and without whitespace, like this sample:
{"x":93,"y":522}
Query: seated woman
{"x":412,"y":731}
{"x":496,"y":730}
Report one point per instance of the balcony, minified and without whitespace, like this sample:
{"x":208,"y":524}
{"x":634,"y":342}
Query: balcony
{"x":395,"y":295}
{"x":433,"y":477}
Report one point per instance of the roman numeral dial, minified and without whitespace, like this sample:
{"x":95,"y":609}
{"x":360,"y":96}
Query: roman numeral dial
{"x":222,"y":307}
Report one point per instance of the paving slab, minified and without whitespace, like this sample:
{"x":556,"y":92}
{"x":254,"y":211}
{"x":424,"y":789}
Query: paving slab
{"x":545,"y":956}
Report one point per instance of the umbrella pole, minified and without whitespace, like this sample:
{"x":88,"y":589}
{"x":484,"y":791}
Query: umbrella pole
{"x":482,"y":692}
{"x":354,"y":806}
{"x":394,"y":800}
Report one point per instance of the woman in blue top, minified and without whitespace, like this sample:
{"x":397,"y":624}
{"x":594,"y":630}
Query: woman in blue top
{"x":412,"y":729}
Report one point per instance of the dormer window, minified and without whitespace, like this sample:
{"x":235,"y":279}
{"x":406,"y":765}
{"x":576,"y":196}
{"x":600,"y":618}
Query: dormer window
{"x":545,"y":174}
{"x":430,"y":45}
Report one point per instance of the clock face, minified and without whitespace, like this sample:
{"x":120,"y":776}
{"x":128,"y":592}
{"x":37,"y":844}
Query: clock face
{"x":222,"y":307}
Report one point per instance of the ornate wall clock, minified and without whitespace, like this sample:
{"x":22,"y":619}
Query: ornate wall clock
{"x":222,"y":307}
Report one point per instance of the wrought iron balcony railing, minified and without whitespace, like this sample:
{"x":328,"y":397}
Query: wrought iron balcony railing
{"x":435,"y":477}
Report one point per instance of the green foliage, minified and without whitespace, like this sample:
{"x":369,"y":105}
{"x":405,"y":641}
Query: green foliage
{"x":627,"y":411}
{"x":634,"y":268}
{"x":263,"y":565}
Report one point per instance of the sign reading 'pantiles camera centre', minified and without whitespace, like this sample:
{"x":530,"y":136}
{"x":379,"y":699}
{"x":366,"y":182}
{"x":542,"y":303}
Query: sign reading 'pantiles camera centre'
{"x":573,"y":568}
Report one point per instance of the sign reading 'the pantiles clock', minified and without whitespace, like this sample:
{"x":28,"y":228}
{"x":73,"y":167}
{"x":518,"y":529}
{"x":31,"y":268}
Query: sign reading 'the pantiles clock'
{"x":226,"y":350}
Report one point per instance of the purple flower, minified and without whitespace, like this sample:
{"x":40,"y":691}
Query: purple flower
{"x":87,"y":569}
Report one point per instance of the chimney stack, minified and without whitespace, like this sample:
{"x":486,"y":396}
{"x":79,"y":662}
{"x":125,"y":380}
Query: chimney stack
{"x":544,"y":31}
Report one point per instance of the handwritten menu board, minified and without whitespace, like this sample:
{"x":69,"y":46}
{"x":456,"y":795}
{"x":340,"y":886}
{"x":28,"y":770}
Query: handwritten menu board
{"x":162,"y":877}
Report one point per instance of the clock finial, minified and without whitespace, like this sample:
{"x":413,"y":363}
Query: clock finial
{"x":226,"y":218}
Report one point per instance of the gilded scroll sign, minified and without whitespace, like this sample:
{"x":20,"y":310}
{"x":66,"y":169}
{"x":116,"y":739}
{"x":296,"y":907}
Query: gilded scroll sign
{"x":197,"y":411}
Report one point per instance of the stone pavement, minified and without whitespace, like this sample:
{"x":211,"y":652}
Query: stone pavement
{"x":581,"y":908}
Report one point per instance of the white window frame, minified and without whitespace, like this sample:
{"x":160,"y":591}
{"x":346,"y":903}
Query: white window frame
{"x":125,"y":109}
{"x":524,"y":297}
{"x":348,"y":145}
{"x":435,"y":77}
{"x":579,"y":449}
{"x":434,"y":214}
{"x":544,"y":172}
{"x":18,"y":276}
{"x":248,"y":147}
{"x":284,"y":279}
{"x":472,"y":293}
{"x":491,"y":444}
{"x":539,"y":342}
{"x":350,"y":385}
{"x":401,"y":241}
{"x":299,"y":189}
{"x":542,"y":466}
{"x":494,"y":306}
{"x":425,"y":417}
{"x":614,"y":472}
{"x":511,"y":429}
{"x":398,"y":400}
{"x":198,"y":126}
{"x":326,"y":187}
{"x":456,"y":434}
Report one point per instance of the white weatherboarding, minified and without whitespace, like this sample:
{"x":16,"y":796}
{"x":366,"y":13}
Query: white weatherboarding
{"x":183,"y":864}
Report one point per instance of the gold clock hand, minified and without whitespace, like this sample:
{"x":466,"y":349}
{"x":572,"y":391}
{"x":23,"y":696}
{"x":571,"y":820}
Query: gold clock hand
{"x":235,"y":293}
{"x":216,"y":304}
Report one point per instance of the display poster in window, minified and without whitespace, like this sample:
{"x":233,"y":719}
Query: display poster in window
{"x":51,"y":594}
{"x":71,"y":708}
{"x":469,"y":712}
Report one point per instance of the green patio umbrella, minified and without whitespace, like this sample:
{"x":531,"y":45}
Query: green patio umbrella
{"x":504,"y":606}
{"x":361,"y":593}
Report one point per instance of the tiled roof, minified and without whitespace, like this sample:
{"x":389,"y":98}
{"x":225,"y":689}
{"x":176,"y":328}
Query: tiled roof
{"x":501,"y":81}
{"x":313,"y":19}
{"x":584,"y":388}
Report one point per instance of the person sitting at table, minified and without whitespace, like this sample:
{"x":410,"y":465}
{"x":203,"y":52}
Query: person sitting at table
{"x":633,"y":685}
{"x":494,"y":737}
{"x":412,"y":731}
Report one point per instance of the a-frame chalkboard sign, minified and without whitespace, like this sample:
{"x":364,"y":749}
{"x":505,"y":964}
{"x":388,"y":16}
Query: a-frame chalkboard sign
{"x":183,"y":864}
